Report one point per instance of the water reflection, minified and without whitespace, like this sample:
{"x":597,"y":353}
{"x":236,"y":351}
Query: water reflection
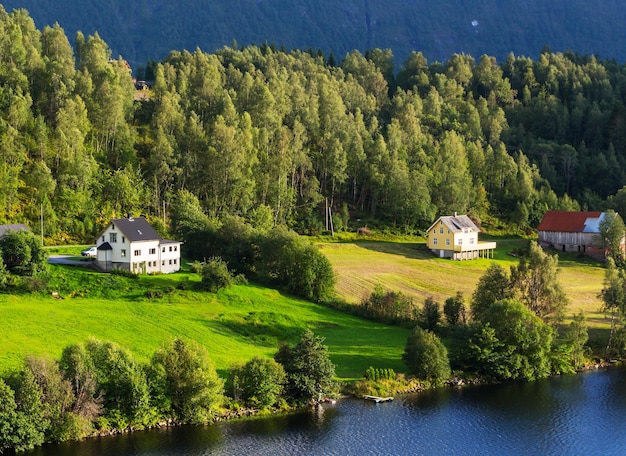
{"x":581,"y":414}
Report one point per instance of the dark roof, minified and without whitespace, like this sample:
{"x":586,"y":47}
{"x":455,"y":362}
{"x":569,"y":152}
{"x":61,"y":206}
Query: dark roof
{"x":169,"y":241}
{"x":456,"y":223}
{"x":136,"y":229}
{"x":105,"y":246}
{"x":566,"y":222}
{"x":14,"y":227}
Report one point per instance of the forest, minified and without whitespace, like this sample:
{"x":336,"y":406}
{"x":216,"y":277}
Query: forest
{"x":274,"y":137}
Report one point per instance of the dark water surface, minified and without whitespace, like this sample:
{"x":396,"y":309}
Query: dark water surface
{"x":582,"y":414}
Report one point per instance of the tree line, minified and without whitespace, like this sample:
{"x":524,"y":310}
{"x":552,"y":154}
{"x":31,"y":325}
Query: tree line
{"x":299,"y":137}
{"x":99,"y":387}
{"x":513,"y":328}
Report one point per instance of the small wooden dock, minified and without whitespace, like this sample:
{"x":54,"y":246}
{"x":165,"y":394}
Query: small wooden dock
{"x":377,"y":399}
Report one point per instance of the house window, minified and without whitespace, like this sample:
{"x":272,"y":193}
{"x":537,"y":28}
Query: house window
{"x":170,"y":248}
{"x":448,"y":241}
{"x":170,"y":261}
{"x":123,"y":239}
{"x":152,"y":251}
{"x":123,"y":253}
{"x":137,"y":253}
{"x":175,"y":248}
{"x":441,"y":230}
{"x":102,"y":238}
{"x":163,"y":263}
{"x":460,"y":241}
{"x":174,"y":260}
{"x":112,"y":237}
{"x":163,"y":250}
{"x":435,"y":241}
{"x":471,"y":240}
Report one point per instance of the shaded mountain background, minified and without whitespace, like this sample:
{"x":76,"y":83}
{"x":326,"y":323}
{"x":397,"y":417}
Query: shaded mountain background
{"x":141,"y":30}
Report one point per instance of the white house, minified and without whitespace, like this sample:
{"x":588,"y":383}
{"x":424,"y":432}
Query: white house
{"x":133,"y":244}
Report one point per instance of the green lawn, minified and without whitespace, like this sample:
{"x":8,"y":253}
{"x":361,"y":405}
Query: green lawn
{"x":248,"y":320}
{"x":233,"y":325}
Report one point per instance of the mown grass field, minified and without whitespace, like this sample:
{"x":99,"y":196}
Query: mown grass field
{"x":411,"y":268}
{"x":234,"y":324}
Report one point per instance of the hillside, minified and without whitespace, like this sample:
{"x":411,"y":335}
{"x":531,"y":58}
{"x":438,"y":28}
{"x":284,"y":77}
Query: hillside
{"x":234,"y":325}
{"x":413,"y":270}
{"x":142,"y":30}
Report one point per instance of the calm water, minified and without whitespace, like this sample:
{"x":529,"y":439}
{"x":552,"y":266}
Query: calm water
{"x":575,"y":415}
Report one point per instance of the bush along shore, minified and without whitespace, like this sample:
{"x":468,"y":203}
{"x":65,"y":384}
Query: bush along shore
{"x":98,"y":388}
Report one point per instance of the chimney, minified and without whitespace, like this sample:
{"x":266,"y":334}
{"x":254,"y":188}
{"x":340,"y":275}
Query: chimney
{"x":455,"y":213}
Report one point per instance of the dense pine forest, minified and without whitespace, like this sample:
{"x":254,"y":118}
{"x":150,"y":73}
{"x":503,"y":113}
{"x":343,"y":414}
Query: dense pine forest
{"x":273,"y":136}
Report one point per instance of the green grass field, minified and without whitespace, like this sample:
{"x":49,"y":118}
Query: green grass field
{"x":248,"y":320}
{"x":234,"y":325}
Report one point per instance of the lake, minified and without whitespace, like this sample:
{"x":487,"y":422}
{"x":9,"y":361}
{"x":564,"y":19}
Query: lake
{"x":582,"y":414}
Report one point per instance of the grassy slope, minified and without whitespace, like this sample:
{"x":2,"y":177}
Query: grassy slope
{"x":412,"y":269}
{"x":234,"y":325}
{"x":244,"y":321}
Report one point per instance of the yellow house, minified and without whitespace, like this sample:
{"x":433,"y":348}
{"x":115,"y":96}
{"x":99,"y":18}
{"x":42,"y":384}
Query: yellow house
{"x":456,"y":237}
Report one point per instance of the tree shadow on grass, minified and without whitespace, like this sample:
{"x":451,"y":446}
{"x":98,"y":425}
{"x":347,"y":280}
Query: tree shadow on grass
{"x":416,"y":251}
{"x":267,"y":329}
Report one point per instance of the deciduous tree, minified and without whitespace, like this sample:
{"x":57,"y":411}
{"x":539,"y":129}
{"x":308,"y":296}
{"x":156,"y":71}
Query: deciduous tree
{"x":259,"y":382}
{"x":535,"y":279}
{"x":184,"y":382}
{"x":308,"y":367}
{"x":426,"y":356}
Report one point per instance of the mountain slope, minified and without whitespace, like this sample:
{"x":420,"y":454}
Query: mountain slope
{"x":140,"y":30}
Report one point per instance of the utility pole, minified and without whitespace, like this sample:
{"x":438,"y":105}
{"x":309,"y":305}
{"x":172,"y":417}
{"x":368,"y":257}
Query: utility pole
{"x":41,"y":221}
{"x":326,"y":214}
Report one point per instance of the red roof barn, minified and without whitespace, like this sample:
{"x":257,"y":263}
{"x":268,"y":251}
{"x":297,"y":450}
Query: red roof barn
{"x":572,"y":232}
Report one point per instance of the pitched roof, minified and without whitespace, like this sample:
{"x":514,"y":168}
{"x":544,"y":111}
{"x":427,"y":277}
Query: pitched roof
{"x":105,"y":246}
{"x":13,"y":227}
{"x":136,"y":229}
{"x":571,"y":222}
{"x":456,"y":223}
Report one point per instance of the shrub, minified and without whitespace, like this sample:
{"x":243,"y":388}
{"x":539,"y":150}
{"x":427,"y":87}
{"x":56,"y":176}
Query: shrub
{"x":511,"y":343}
{"x":376,"y":374}
{"x":287,"y":260}
{"x":258,"y":383}
{"x":454,"y":310}
{"x":430,"y":315}
{"x":215,"y":275}
{"x":154,"y":294}
{"x":426,"y":356}
{"x":308,"y":367}
{"x":22,"y":253}
{"x":124,"y":273}
{"x":390,"y":306}
{"x":184,"y":382}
